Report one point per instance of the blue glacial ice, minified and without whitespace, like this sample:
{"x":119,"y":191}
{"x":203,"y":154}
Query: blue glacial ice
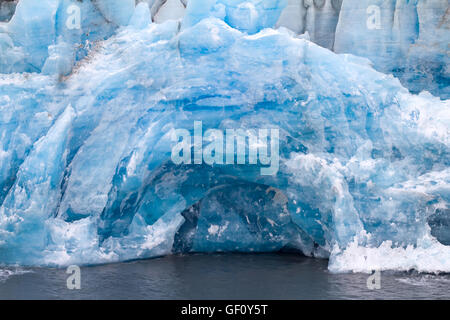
{"x":88,"y":119}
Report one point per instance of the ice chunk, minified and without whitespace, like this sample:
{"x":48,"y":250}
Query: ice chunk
{"x":61,"y":59}
{"x":293,"y":17}
{"x":12,"y":58}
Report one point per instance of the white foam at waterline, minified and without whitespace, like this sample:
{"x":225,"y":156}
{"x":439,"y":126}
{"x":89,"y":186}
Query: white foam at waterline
{"x":5,"y":274}
{"x":431,"y":257}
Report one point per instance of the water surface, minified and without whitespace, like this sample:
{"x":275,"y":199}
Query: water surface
{"x":218,"y":276}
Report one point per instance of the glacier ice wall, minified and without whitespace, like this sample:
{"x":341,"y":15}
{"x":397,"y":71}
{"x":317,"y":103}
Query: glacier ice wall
{"x":85,"y":159}
{"x":51,"y":35}
{"x":406,"y":38}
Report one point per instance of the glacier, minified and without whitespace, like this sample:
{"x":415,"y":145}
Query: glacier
{"x":89,"y":114}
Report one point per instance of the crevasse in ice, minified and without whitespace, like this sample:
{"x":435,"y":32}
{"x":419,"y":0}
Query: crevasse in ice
{"x":86,"y":174}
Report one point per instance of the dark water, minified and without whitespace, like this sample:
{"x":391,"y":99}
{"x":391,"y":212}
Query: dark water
{"x":234,"y":276}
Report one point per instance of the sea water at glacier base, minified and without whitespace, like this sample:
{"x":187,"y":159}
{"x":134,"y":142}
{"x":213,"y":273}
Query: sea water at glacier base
{"x":219,"y":276}
{"x":86,"y":134}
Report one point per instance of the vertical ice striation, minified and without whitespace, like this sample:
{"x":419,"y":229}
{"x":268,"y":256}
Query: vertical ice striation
{"x":172,"y":9}
{"x":293,"y":16}
{"x":141,"y":17}
{"x":86,"y":174}
{"x":407,"y":38}
{"x":428,"y":59}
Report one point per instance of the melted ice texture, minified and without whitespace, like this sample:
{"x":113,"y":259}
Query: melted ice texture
{"x":87,"y":124}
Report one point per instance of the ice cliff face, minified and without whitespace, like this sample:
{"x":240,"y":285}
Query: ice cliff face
{"x":407,"y":38}
{"x":86,"y":174}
